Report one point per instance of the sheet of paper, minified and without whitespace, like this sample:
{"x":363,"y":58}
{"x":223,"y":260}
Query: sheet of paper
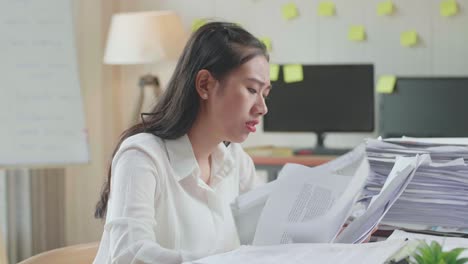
{"x":402,"y":164}
{"x":313,"y":231}
{"x":246,"y":210}
{"x":374,"y":214}
{"x":303,"y":193}
{"x":367,"y":253}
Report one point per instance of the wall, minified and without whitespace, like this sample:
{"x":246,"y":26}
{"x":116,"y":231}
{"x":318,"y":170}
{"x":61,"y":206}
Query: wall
{"x":109,"y":92}
{"x":100,"y":94}
{"x":314,"y":39}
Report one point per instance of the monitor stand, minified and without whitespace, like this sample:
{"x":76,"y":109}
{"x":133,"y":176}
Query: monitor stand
{"x":320,"y":148}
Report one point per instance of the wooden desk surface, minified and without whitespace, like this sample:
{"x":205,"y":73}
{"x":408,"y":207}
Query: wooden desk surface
{"x":312,"y":160}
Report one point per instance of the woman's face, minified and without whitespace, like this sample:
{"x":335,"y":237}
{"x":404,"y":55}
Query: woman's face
{"x":238,"y":101}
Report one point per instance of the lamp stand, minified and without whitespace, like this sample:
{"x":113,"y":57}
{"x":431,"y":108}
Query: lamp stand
{"x":144,"y":81}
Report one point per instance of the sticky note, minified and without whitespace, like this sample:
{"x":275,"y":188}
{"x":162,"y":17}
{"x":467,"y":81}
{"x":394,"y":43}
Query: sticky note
{"x":293,"y":73}
{"x":326,"y":9}
{"x":357,"y":33}
{"x":385,"y":8}
{"x":267,"y":42}
{"x":386,"y":84}
{"x":197,"y":23}
{"x":409,"y":38}
{"x":274,"y":72}
{"x":448,"y":8}
{"x":289,"y":11}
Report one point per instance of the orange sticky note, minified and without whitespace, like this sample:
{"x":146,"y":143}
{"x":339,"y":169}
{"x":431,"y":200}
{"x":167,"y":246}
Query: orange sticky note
{"x":293,"y":73}
{"x":386,"y":84}
{"x":289,"y":11}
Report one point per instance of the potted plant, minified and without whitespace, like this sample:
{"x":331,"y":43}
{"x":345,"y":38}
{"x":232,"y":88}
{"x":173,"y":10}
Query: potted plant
{"x":433,"y":254}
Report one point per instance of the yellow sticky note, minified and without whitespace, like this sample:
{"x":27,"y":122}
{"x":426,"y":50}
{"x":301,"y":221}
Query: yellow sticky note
{"x":267,"y":42}
{"x":448,"y":8}
{"x":386,"y":84}
{"x":197,"y":23}
{"x":385,"y":8}
{"x":274,"y":72}
{"x":289,"y":11}
{"x":326,"y":9}
{"x":409,"y":38}
{"x":293,"y":73}
{"x":357,"y":33}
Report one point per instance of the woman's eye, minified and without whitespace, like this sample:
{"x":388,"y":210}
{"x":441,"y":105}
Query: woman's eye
{"x":252,"y":90}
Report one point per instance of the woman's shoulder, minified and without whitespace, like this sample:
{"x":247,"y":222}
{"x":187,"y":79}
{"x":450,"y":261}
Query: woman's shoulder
{"x":145,"y":143}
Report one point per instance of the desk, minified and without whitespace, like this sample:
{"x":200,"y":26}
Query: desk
{"x":273,"y":164}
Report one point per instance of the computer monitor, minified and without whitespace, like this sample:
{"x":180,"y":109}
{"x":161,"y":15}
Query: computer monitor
{"x":331,"y":98}
{"x":425,"y":107}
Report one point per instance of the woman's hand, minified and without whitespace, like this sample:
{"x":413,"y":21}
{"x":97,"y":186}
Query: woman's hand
{"x":369,"y":237}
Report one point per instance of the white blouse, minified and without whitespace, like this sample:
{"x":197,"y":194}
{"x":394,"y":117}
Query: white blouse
{"x":160,"y":211}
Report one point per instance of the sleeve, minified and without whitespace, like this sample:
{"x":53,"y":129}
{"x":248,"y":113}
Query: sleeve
{"x":247,"y":172}
{"x":131,"y":220}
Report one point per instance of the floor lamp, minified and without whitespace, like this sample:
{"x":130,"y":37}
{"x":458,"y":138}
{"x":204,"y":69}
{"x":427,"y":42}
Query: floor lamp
{"x":150,"y":37}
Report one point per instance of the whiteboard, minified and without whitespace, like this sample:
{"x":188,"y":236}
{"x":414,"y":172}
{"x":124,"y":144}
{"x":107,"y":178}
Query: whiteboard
{"x":41,"y":109}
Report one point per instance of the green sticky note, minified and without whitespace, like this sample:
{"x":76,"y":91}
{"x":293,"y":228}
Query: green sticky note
{"x":448,"y":8}
{"x":274,"y":72}
{"x":386,"y":84}
{"x":289,"y":11}
{"x":326,"y":9}
{"x":357,"y":33}
{"x":409,"y":38}
{"x":267,"y":42}
{"x":293,"y":73}
{"x":197,"y":23}
{"x":385,"y":8}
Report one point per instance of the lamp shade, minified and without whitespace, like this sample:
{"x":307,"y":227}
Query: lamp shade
{"x":144,"y":37}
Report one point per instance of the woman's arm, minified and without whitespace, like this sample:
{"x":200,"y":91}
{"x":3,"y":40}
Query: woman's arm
{"x":131,"y":220}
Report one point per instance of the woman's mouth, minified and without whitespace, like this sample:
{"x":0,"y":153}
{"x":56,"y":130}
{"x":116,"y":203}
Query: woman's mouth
{"x":251,"y":126}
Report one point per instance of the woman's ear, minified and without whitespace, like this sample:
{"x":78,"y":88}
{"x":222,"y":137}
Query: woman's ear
{"x":204,"y":83}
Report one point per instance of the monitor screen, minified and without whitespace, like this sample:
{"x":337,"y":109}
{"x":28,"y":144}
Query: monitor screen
{"x":425,"y":107}
{"x":331,"y":98}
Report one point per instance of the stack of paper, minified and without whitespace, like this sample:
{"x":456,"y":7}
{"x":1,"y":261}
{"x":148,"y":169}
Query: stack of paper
{"x":438,"y":193}
{"x":311,"y":205}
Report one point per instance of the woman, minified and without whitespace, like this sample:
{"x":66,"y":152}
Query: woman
{"x":172,"y":176}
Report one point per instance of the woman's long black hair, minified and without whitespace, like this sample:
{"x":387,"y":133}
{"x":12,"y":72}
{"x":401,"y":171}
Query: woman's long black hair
{"x":218,"y":47}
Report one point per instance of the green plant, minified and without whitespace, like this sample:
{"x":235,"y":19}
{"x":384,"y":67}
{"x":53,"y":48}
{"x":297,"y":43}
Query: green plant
{"x":433,"y":254}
